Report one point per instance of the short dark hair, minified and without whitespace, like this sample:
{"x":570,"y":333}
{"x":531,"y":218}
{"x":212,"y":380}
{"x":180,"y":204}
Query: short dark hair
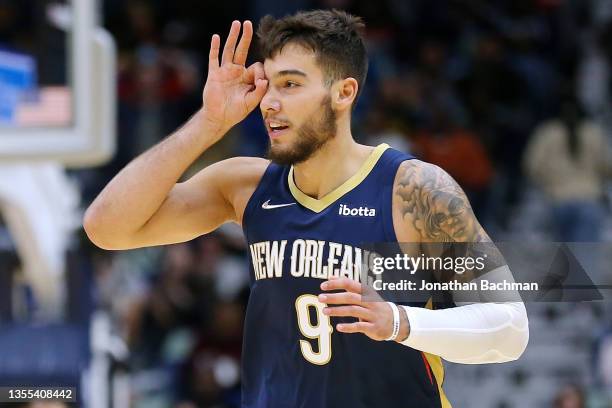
{"x":333,"y":35}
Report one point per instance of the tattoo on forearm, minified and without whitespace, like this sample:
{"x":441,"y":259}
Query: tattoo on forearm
{"x":435,"y":205}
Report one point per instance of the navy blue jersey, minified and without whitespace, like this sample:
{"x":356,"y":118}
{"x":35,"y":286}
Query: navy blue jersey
{"x":292,"y":355}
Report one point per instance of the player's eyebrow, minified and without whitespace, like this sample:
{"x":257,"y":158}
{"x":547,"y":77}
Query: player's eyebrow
{"x":290,"y":72}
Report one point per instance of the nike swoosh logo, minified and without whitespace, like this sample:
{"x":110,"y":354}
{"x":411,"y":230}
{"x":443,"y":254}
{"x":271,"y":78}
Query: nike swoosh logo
{"x":268,"y":206}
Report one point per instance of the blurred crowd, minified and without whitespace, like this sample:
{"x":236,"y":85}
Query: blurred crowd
{"x":180,"y":310}
{"x":512,"y":98}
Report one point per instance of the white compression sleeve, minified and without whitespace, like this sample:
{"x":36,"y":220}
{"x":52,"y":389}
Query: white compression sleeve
{"x":475,"y":333}
{"x":470,"y":334}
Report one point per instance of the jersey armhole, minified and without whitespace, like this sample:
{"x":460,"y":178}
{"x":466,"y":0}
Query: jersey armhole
{"x":388,"y":209}
{"x":248,"y":208}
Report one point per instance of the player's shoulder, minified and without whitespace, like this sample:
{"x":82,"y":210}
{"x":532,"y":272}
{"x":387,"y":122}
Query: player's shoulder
{"x":430,"y":206}
{"x":248,"y":163}
{"x":415,"y":173}
{"x":242,"y":170}
{"x":245,"y":163}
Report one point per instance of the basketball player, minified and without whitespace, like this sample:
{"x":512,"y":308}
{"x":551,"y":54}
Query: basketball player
{"x":310,"y":341}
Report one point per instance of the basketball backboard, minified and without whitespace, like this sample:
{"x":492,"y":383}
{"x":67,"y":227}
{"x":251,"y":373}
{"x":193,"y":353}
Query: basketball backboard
{"x":57,"y":85}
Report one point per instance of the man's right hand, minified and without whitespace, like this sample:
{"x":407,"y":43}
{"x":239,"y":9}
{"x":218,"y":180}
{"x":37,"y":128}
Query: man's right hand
{"x":232,"y":91}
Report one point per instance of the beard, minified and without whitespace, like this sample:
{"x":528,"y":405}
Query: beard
{"x":318,"y":129}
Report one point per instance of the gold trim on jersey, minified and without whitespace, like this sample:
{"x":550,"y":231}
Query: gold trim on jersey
{"x":318,"y":205}
{"x":435,"y":362}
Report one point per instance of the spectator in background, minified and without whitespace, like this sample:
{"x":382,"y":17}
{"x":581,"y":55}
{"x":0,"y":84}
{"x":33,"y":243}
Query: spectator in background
{"x":595,"y":84}
{"x":461,"y":154}
{"x":190,"y":323}
{"x":178,"y":298}
{"x":603,"y":361}
{"x":212,"y":373}
{"x":570,"y":396}
{"x":497,"y":102}
{"x":569,"y":159}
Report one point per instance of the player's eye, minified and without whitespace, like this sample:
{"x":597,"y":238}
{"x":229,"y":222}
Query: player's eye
{"x":290,"y":84}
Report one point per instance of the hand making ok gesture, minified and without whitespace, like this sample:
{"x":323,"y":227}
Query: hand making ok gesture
{"x":232,"y":90}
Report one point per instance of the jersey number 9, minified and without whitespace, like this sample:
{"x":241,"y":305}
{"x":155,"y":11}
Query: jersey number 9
{"x":320,"y":331}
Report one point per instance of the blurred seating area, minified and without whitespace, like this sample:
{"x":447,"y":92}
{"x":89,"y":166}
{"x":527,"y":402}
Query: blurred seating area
{"x":487,"y":89}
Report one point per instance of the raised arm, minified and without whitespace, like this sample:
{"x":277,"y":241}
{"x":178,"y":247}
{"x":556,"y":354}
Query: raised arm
{"x":145,"y":205}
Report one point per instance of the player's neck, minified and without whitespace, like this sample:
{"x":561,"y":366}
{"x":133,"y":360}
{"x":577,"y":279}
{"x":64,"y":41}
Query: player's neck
{"x":338,"y":160}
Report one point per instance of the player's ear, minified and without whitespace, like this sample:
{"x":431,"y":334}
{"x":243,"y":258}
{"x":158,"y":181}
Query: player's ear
{"x":344,"y":93}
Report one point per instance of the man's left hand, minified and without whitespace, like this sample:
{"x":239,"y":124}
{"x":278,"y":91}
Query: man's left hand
{"x":374,"y":318}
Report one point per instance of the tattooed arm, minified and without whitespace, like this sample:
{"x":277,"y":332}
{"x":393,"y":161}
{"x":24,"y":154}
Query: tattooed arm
{"x":429,"y":207}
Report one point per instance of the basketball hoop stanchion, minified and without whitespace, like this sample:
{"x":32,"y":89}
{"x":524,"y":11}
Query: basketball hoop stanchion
{"x":39,"y":202}
{"x":45,"y":129}
{"x":102,"y":143}
{"x":40,"y":207}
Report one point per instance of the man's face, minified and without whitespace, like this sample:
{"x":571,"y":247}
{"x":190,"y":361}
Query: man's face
{"x":297,"y":107}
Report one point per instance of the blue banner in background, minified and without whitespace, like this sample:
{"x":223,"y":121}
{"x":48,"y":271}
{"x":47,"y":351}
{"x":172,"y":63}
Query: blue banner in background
{"x":17,"y":80}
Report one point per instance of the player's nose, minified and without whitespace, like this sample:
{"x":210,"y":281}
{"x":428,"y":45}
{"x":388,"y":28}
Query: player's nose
{"x":269,"y":103}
